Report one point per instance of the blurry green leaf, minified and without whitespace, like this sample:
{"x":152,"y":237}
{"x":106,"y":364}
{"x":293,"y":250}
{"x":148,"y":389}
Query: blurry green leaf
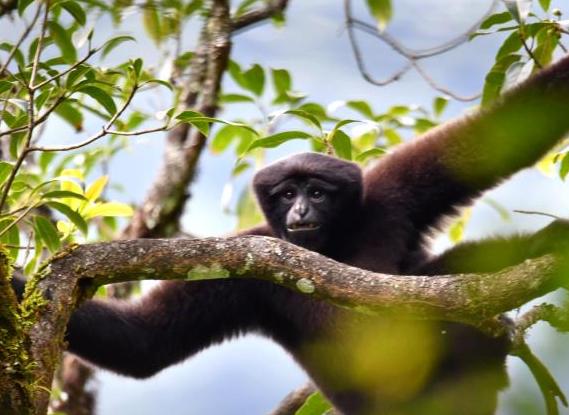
{"x":63,"y":41}
{"x":244,"y":7}
{"x":381,"y":10}
{"x":342,"y":144}
{"x":159,"y":82}
{"x":108,"y":209}
{"x":371,"y":153}
{"x":223,"y":139}
{"x":62,"y":194}
{"x":281,"y":81}
{"x":75,"y":10}
{"x":151,"y":19}
{"x":45,"y":159}
{"x":72,"y":215}
{"x":248,"y":213}
{"x":101,"y":97}
{"x":231,"y":98}
{"x":545,"y":4}
{"x":512,"y":44}
{"x":315,"y":109}
{"x":23,"y":5}
{"x":5,"y":170}
{"x":563,"y":169}
{"x":137,"y":67}
{"x":201,"y":122}
{"x":495,"y":19}
{"x":192,"y":7}
{"x":496,"y":77}
{"x":547,"y":40}
{"x":240,"y":167}
{"x":439,"y":105}
{"x":276,"y":140}
{"x":18,"y":55}
{"x":10,"y":237}
{"x":315,"y":404}
{"x":70,"y":114}
{"x":362,"y":107}
{"x":255,"y":78}
{"x":96,"y":188}
{"x":114,"y":42}
{"x":47,"y":232}
{"x":393,"y":138}
{"x":306,"y":116}
{"x":5,"y":86}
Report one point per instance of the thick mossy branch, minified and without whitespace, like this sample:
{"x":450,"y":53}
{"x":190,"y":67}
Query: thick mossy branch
{"x":469,"y":298}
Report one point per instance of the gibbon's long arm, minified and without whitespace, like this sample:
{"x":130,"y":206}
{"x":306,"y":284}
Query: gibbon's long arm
{"x":456,"y":161}
{"x":172,"y":322}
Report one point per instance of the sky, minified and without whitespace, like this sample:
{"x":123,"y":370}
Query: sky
{"x":250,"y":375}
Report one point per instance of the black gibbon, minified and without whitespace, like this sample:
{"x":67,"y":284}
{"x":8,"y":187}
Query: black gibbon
{"x":380,"y":220}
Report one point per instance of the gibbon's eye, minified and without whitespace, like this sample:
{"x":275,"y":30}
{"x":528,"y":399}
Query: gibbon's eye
{"x":317,"y":195}
{"x":288,"y":195}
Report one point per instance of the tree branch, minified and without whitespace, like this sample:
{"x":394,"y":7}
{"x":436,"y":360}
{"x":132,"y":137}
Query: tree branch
{"x":466,"y":298}
{"x":258,"y":15}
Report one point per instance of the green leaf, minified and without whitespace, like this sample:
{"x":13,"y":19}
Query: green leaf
{"x":564,"y":168}
{"x":75,"y":10}
{"x":23,"y":5}
{"x":255,"y":78}
{"x":276,"y":140}
{"x":545,"y":4}
{"x":201,"y":122}
{"x":281,"y":81}
{"x":496,"y":77}
{"x":96,"y":188}
{"x":315,"y":404}
{"x":137,"y":67}
{"x":512,"y":44}
{"x":371,"y":153}
{"x":63,"y":194}
{"x":342,"y":144}
{"x":45,"y":158}
{"x":5,"y":170}
{"x":381,"y":10}
{"x":18,"y":55}
{"x":114,"y":42}
{"x":306,"y":116}
{"x":101,"y":97}
{"x":547,"y":40}
{"x":108,"y":209}
{"x":72,"y":215}
{"x":439,"y":105}
{"x":496,"y":19}
{"x":159,"y":82}
{"x":63,"y":41}
{"x":223,"y":139}
{"x":70,"y":114}
{"x":362,"y":107}
{"x":48,"y":233}
{"x":151,"y":19}
{"x":232,"y":98}
{"x":5,"y":86}
{"x":10,"y":237}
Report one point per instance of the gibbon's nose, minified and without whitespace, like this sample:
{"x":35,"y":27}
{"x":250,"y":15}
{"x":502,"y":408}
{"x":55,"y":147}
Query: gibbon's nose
{"x":301,"y":207}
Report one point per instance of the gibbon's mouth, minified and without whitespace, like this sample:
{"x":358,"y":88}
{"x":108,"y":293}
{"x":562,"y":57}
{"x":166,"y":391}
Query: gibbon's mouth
{"x":302,"y":227}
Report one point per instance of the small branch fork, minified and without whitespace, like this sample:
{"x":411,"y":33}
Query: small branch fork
{"x":411,"y":55}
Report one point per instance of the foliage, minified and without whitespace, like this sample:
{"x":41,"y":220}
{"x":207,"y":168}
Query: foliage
{"x":54,"y":195}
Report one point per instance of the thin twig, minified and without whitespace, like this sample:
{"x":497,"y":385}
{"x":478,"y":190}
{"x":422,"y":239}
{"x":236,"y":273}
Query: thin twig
{"x":65,"y":72}
{"x":238,"y":24}
{"x":103,"y":132}
{"x":533,"y":212}
{"x":21,"y":39}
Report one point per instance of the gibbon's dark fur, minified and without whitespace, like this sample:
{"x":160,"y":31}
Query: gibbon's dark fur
{"x":379,"y":220}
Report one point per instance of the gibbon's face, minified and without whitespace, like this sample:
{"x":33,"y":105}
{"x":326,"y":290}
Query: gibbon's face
{"x":304,"y":211}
